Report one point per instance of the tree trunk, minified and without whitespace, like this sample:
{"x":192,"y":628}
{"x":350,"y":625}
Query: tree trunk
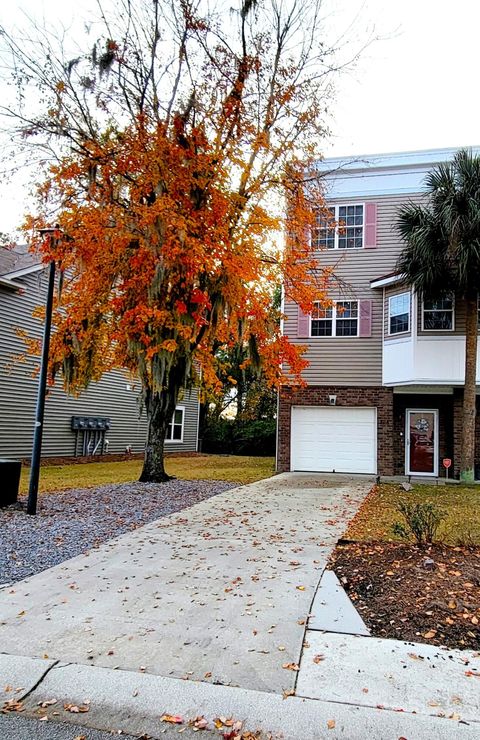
{"x":160,"y":408}
{"x":467,"y":462}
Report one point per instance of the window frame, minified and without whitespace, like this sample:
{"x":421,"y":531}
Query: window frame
{"x":333,"y":319}
{"x":170,"y":440}
{"x":452,"y":328}
{"x":405,"y":331}
{"x":336,"y":235}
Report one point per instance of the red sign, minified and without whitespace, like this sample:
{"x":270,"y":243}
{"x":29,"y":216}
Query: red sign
{"x":446,"y":462}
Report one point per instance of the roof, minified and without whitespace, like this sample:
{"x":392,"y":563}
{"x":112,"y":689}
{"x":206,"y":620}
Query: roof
{"x":382,"y":174}
{"x":17,"y":261}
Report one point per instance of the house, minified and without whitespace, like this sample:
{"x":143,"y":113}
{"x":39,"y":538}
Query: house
{"x":107,"y":416}
{"x":386,"y":368}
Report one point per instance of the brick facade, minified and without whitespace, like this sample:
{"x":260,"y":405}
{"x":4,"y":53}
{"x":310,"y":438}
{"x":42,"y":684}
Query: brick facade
{"x":379,"y":397}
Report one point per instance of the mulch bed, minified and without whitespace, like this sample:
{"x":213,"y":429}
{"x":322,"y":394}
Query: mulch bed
{"x":401,"y":595}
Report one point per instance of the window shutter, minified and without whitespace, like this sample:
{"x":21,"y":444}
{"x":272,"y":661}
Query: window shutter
{"x":370,"y":225}
{"x":365,"y":312}
{"x":303,"y":326}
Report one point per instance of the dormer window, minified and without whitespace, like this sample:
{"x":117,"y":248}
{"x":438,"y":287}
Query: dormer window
{"x":342,"y":229}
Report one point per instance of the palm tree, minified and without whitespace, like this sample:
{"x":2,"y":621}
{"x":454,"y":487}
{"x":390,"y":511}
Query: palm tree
{"x":442,"y":256}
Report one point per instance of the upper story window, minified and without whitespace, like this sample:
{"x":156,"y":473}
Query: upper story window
{"x":438,"y":314}
{"x":399,"y":313}
{"x":175,"y":428}
{"x":340,"y":320}
{"x":345,"y":229}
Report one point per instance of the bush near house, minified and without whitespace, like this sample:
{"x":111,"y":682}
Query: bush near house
{"x":232,"y":437}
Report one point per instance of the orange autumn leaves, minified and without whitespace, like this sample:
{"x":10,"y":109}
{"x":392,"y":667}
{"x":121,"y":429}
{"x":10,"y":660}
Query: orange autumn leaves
{"x":163,"y":259}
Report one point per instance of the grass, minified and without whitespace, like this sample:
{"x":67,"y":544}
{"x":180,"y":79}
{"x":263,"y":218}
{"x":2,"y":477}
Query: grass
{"x":206,"y":467}
{"x":378,"y":513}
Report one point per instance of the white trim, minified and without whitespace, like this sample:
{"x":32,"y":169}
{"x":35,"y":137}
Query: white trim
{"x":405,"y":331}
{"x":335,"y":247}
{"x":438,"y":331}
{"x":435,"y":442}
{"x":384,"y":282}
{"x":10,"y":284}
{"x":24,"y":271}
{"x":440,"y":390}
{"x":170,"y":441}
{"x":333,"y":319}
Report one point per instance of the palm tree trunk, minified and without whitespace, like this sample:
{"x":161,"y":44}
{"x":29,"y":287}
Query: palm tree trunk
{"x":467,"y":462}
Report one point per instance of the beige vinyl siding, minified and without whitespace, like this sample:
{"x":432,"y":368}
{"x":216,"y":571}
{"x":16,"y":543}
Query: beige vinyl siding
{"x":354,"y":360}
{"x":110,"y":397}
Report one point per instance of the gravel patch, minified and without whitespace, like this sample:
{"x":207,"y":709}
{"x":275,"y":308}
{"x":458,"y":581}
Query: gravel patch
{"x":71,"y":522}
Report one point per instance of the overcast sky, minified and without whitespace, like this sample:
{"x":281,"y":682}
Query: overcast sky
{"x":416,"y":88}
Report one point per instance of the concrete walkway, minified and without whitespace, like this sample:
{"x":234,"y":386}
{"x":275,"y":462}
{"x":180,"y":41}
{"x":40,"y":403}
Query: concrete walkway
{"x":220,"y":592}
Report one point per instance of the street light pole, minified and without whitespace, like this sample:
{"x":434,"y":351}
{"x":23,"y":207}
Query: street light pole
{"x":42,"y":386}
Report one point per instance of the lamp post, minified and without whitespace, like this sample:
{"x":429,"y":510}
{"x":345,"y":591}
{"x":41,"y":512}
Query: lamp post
{"x":53,"y":233}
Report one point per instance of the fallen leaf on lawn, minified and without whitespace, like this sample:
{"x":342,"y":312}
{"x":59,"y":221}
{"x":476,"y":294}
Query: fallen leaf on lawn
{"x":174,"y":719}
{"x":331,"y":724}
{"x":428,"y":635}
{"x":80,"y":737}
{"x":291,"y":666}
{"x":43,"y":719}
{"x":318,"y":658}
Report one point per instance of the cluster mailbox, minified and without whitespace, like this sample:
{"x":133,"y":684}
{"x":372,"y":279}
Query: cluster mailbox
{"x":92,"y":423}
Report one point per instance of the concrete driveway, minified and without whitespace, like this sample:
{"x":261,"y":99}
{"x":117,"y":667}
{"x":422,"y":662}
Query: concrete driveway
{"x":219,"y":593}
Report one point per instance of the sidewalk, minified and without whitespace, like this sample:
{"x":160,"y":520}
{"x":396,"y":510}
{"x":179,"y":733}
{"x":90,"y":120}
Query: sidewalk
{"x":197,"y":614}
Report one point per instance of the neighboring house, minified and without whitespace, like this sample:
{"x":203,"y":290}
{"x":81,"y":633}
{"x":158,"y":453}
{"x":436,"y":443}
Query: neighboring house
{"x":23,"y":283}
{"x":384,"y":383}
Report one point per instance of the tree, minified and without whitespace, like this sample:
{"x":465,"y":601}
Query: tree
{"x":170,"y":148}
{"x":442,"y":256}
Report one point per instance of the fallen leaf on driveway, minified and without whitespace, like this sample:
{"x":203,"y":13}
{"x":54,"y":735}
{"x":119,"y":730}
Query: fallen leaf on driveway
{"x":318,"y":658}
{"x":288,"y":692}
{"x":291,"y":666}
{"x":47,"y":703}
{"x":331,"y":724}
{"x":200,"y":723}
{"x":76,"y":708}
{"x":172,"y":718}
{"x":300,"y":588}
{"x":12,"y":706}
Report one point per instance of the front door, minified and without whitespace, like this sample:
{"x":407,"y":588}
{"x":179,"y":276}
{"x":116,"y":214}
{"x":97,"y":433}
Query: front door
{"x":421,"y":442}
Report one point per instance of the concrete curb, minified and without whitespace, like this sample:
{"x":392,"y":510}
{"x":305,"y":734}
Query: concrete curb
{"x":134,"y":702}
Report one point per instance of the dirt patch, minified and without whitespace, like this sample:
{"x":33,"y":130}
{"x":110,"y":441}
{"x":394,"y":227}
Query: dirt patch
{"x":400,"y":593}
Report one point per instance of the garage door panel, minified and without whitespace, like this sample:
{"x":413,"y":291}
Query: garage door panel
{"x":340,"y":439}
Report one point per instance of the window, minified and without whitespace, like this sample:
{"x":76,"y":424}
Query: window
{"x":347,"y":233}
{"x":438,"y":314}
{"x":175,"y":428}
{"x":399,"y":313}
{"x":340,"y":320}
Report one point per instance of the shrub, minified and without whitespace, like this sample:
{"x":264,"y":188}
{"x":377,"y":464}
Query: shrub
{"x":420,"y":520}
{"x":229,"y":437}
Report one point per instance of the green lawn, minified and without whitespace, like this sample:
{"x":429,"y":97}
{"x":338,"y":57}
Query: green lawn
{"x":376,"y":517}
{"x":208,"y":467}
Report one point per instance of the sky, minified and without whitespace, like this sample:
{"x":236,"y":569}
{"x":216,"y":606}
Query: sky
{"x":414,"y":87}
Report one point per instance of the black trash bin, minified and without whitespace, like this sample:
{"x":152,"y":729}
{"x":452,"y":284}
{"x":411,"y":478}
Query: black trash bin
{"x":9,"y":481}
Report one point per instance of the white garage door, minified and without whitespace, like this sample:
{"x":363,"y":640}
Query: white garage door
{"x":334,"y":439}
